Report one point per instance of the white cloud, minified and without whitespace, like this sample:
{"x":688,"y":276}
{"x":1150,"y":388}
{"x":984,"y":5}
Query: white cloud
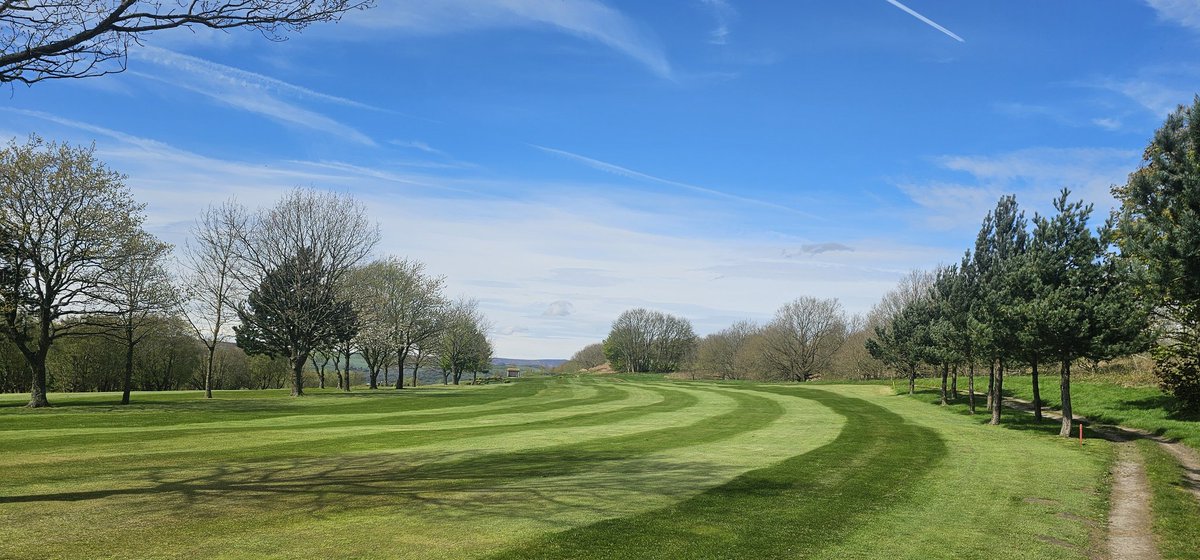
{"x":589,"y":19}
{"x":1181,"y":12}
{"x":248,"y":91}
{"x":1107,"y":123}
{"x":1035,"y":175}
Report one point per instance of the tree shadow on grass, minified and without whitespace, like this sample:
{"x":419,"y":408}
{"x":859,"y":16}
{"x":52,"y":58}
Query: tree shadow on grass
{"x":537,"y":484}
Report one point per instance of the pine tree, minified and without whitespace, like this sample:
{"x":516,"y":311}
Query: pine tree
{"x":1159,"y":228}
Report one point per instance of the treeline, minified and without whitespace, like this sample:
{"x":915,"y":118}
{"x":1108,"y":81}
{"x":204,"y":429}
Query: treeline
{"x":92,"y":302}
{"x":803,"y":341}
{"x":1055,"y":291}
{"x":1028,"y":295}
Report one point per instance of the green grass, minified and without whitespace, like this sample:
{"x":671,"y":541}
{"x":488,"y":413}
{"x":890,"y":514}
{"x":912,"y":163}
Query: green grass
{"x":1146,"y":408}
{"x":579,"y":467}
{"x":1175,"y":510}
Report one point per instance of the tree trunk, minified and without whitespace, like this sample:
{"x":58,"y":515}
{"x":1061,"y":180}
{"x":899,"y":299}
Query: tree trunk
{"x":346,"y":371}
{"x":945,"y":378}
{"x":1037,"y":393}
{"x":298,"y":375}
{"x":998,"y":398}
{"x":374,"y":379}
{"x":1065,"y":387}
{"x":37,"y":389}
{"x":401,"y":357}
{"x":991,"y":392}
{"x":971,"y":386}
{"x":208,"y":371}
{"x":474,"y":377}
{"x":385,"y":376}
{"x":416,"y":366}
{"x":128,"y":381}
{"x":954,"y":382}
{"x":912,"y":379}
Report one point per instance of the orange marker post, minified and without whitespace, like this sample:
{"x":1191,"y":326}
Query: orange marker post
{"x":1081,"y":433}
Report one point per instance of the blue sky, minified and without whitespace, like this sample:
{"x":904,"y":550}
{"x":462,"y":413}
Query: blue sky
{"x":564,"y":160}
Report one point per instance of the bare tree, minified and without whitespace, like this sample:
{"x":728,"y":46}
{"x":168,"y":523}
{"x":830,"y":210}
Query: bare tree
{"x":209,"y":259}
{"x":47,"y":39}
{"x":642,"y":340}
{"x":138,"y":289}
{"x":64,"y":221}
{"x":803,"y":337}
{"x":415,"y":306}
{"x":717,"y":354}
{"x":320,"y":360}
{"x":292,"y":259}
{"x":372,"y":298}
{"x":463,"y":344}
{"x":587,"y":357}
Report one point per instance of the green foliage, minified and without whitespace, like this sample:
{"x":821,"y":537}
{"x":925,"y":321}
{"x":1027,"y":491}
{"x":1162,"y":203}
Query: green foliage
{"x":1159,"y":228}
{"x":293,"y":310}
{"x":1178,"y":372}
{"x":998,"y":261}
{"x":1085,"y":303}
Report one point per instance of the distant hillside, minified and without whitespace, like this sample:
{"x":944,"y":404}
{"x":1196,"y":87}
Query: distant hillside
{"x":544,"y":364}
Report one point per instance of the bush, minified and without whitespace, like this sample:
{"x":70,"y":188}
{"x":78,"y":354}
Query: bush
{"x":1178,"y":371}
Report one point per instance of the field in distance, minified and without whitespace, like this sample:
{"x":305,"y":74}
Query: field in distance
{"x":542,"y":468}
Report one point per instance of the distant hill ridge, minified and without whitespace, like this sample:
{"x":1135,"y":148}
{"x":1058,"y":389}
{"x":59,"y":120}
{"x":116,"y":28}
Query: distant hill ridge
{"x":545,"y":364}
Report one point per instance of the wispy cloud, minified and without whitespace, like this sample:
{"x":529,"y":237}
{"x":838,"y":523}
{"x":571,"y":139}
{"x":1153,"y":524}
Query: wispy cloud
{"x":724,"y":14}
{"x":1034,"y":174}
{"x":632,"y":174}
{"x":420,"y":146}
{"x":589,"y":19}
{"x":1182,"y":12}
{"x":249,"y":91}
{"x":1151,"y":93}
{"x":926,"y":20}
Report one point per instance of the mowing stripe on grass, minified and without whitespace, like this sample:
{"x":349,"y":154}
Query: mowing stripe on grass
{"x":46,"y":441}
{"x":788,"y":510}
{"x":80,"y":464}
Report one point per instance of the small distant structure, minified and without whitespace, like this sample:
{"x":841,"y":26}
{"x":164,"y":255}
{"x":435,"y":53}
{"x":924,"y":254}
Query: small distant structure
{"x":512,"y":371}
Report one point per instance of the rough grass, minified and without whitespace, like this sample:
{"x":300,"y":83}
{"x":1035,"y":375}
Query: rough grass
{"x":1175,"y":509}
{"x":1111,"y":402}
{"x":580,"y":467}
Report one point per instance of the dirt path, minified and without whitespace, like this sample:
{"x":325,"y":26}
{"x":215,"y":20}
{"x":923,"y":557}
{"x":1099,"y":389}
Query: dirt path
{"x":1130,"y":531}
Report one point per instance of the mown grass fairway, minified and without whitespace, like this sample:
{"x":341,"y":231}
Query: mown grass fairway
{"x":544,"y":468}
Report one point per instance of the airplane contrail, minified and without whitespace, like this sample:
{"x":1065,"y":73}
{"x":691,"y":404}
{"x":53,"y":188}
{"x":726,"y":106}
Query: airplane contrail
{"x":928,"y":21}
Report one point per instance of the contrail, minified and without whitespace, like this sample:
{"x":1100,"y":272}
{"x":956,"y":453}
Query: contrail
{"x":928,"y":21}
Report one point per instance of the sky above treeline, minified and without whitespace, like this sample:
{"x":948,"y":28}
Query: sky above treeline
{"x":564,"y":160}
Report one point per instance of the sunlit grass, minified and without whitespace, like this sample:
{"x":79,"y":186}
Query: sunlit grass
{"x":582,"y":467}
